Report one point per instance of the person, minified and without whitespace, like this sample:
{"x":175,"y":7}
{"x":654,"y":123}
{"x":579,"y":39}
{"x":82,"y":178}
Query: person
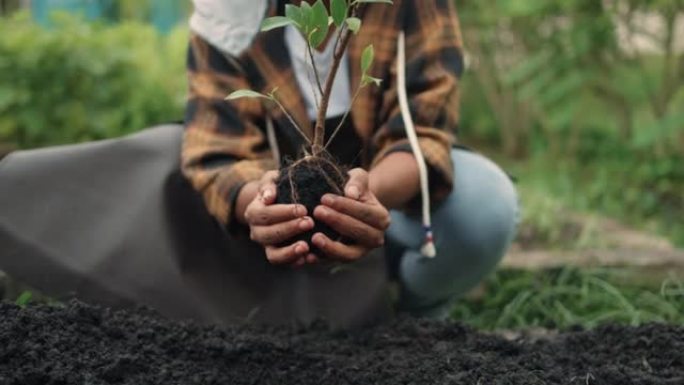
{"x":228,"y":157}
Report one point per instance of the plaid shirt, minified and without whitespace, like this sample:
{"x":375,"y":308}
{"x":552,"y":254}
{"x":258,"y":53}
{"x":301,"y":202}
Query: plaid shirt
{"x":225,"y":144}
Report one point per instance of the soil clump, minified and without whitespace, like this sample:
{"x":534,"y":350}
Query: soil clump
{"x":81,"y":344}
{"x":305,"y":182}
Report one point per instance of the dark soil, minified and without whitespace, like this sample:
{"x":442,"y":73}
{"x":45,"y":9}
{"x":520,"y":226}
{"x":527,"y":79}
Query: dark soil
{"x":311,"y":179}
{"x":78,"y":344}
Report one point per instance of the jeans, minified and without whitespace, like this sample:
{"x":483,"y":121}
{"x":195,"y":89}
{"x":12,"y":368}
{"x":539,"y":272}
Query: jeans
{"x":472,"y":228}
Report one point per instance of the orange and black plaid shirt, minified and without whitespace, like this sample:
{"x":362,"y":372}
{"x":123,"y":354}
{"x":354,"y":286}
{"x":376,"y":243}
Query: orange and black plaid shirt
{"x":225,"y":143}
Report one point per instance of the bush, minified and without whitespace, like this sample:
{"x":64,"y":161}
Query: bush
{"x":575,"y":77}
{"x":80,"y":81}
{"x":592,"y":90}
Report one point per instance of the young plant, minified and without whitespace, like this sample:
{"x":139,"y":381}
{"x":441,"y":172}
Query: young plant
{"x":305,"y":180}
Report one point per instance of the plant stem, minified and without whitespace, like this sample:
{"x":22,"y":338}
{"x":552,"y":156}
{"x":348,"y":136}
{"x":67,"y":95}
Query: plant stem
{"x":291,"y":119}
{"x":311,"y":81}
{"x":316,"y":73}
{"x":319,"y":129}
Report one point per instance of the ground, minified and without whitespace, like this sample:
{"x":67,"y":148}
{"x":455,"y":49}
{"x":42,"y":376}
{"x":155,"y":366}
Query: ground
{"x":78,"y":344}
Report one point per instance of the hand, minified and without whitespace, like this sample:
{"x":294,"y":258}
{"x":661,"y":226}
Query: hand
{"x":272,"y":224}
{"x":358,"y":216}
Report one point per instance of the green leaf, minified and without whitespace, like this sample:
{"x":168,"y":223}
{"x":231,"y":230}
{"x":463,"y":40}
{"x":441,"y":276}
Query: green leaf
{"x":245,"y":94}
{"x":294,"y":13}
{"x":339,"y":10}
{"x":305,"y":7}
{"x":367,"y":58}
{"x":275,"y":22}
{"x":24,"y":299}
{"x":320,"y":24}
{"x":307,"y":18}
{"x":367,"y":79}
{"x":354,"y":24}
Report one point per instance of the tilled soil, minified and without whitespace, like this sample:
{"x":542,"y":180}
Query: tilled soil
{"x":80,"y":344}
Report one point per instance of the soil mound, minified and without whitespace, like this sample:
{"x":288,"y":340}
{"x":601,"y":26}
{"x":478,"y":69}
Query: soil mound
{"x":305,"y":182}
{"x":80,"y":344}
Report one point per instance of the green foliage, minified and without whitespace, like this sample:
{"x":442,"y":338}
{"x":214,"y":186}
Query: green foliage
{"x":245,"y":94}
{"x":275,"y":22}
{"x":354,"y":24}
{"x":569,"y":73}
{"x":311,"y":21}
{"x":80,"y":81}
{"x":314,"y":22}
{"x":24,"y":299}
{"x":572,"y":84}
{"x":570,"y":297}
{"x":339,"y":10}
{"x":547,"y":224}
{"x":367,"y":58}
{"x":646,"y":195}
{"x":319,"y":24}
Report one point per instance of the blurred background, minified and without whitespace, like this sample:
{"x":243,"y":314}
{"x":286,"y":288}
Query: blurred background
{"x":582,"y":101}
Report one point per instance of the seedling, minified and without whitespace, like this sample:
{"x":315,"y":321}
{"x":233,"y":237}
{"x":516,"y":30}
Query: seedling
{"x":316,"y":173}
{"x":24,"y":299}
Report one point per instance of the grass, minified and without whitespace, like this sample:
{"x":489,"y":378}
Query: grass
{"x":550,"y":191}
{"x":24,"y":298}
{"x":569,"y":297}
{"x":610,"y":188}
{"x":546,"y":223}
{"x":562,"y":298}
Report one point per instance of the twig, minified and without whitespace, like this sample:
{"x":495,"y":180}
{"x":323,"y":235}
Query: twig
{"x":340,"y":176}
{"x":319,"y":129}
{"x":311,"y":81}
{"x":316,"y":73}
{"x":338,"y":36}
{"x":291,"y":119}
{"x":293,"y":191}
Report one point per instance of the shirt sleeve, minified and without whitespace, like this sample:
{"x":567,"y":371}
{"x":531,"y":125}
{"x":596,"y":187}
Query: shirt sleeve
{"x":223,"y":146}
{"x":434,"y":64}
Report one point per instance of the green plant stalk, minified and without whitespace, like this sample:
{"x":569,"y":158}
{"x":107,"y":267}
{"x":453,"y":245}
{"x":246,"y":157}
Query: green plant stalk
{"x":309,"y":50}
{"x":289,"y":117}
{"x":319,"y":129}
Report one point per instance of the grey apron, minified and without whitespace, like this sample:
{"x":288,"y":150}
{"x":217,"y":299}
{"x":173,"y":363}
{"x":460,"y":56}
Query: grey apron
{"x":114,"y":222}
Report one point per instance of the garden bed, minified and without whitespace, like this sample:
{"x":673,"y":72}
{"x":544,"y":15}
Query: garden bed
{"x":80,"y":344}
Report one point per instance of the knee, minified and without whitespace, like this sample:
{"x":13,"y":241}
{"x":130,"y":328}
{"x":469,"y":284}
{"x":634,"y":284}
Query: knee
{"x":478,"y":220}
{"x":473,"y":228}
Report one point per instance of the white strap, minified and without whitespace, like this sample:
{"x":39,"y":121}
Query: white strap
{"x":428,"y":248}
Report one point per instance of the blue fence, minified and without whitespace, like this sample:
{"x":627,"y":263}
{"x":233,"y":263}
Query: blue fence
{"x":164,"y":14}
